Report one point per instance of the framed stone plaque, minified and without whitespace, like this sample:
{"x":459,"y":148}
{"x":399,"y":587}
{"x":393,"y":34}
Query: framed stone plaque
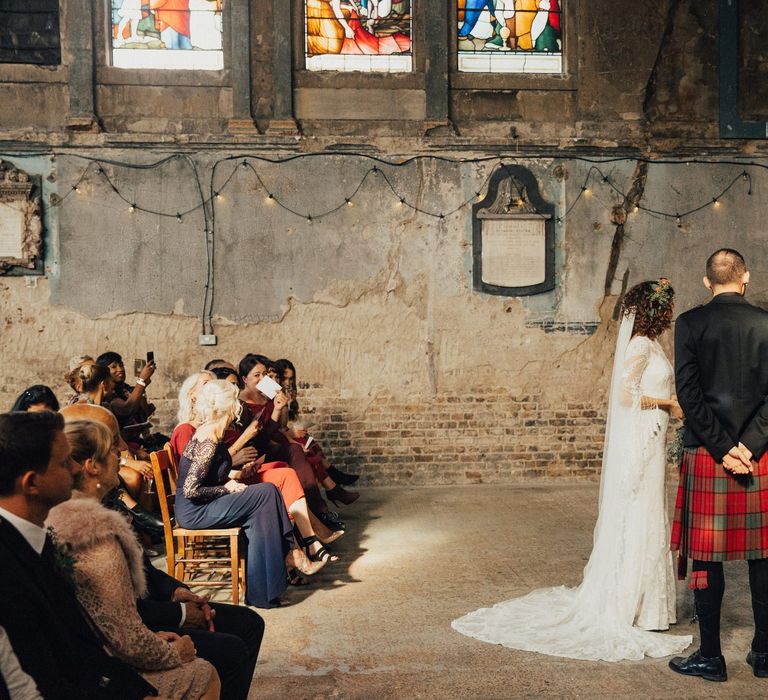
{"x":21,"y":228}
{"x":513,"y":236}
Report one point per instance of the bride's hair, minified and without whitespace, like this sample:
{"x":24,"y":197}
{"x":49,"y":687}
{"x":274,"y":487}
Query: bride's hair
{"x":651,"y":302}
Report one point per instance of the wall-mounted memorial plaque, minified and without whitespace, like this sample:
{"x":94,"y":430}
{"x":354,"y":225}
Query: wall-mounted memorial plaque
{"x":21,"y":228}
{"x":513,"y":236}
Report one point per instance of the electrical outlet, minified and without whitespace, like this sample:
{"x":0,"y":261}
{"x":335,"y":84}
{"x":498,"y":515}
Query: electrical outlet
{"x":206,"y":339}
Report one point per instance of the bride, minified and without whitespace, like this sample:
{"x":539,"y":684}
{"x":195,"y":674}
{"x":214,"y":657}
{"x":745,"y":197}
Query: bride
{"x":628,"y":587}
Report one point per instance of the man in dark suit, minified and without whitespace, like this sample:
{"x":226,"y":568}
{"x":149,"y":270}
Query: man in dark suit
{"x":54,"y":640}
{"x":171,"y":607}
{"x":721,"y":375}
{"x":232,"y":648}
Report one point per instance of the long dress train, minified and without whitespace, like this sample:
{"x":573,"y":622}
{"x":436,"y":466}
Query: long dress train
{"x":628,"y":587}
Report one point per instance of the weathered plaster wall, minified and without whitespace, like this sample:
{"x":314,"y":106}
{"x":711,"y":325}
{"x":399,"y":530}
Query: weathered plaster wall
{"x":410,"y":373}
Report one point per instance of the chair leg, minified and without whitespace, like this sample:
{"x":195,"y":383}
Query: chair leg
{"x":179,"y":565}
{"x":235,"y":566}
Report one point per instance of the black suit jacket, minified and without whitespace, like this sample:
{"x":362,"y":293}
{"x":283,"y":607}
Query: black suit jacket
{"x":53,"y":641}
{"x":721,"y":375}
{"x":156,"y":610}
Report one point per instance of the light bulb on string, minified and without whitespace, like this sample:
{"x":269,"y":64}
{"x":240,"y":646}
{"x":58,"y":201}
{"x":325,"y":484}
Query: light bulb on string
{"x":218,"y":196}
{"x":270,"y":198}
{"x":76,"y":189}
{"x":715,"y":202}
{"x":400,"y":202}
{"x":635,"y":209}
{"x":178,"y":218}
{"x":132,"y":208}
{"x":678,"y":221}
{"x":349,"y":202}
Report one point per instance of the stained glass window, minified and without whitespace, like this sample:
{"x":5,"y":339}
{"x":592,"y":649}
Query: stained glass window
{"x":174,"y":34}
{"x":510,"y":36}
{"x":29,"y":32}
{"x":358,"y":35}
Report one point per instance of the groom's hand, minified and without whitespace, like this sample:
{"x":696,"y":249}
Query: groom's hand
{"x":737,"y":462}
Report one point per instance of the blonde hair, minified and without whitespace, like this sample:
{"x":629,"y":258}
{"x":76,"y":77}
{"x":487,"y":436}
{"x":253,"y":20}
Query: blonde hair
{"x":73,"y":376}
{"x":88,"y":440}
{"x":217,"y":399}
{"x":187,"y":412}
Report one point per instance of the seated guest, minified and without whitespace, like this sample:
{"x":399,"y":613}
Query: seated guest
{"x":53,"y":639}
{"x":129,"y":403}
{"x":36,"y":398}
{"x":95,"y":384}
{"x":207,"y":498}
{"x":255,"y":471}
{"x":287,"y":378}
{"x":108,"y":573}
{"x":169,"y":606}
{"x":131,"y":480}
{"x":73,"y":376}
{"x":276,"y":446}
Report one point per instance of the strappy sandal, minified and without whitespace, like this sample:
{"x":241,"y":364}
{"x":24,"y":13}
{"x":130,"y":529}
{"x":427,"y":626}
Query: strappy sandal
{"x":321,"y":554}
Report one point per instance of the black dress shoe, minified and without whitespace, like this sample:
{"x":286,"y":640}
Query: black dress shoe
{"x":341,"y":477}
{"x":144,"y":521}
{"x":331,"y":520}
{"x":696,"y":665}
{"x":759,"y":663}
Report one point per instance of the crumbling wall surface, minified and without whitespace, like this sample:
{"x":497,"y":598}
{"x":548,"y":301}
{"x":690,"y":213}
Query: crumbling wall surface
{"x":410,"y":375}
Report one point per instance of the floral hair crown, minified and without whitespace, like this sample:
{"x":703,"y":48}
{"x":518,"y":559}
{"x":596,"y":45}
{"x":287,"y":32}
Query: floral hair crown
{"x":660,"y":295}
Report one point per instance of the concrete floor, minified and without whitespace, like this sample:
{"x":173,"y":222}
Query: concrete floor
{"x":377,"y":623}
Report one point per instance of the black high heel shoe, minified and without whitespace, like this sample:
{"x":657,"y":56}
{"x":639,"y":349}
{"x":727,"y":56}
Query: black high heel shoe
{"x":338,"y":494}
{"x":341,"y":477}
{"x":321,"y":555}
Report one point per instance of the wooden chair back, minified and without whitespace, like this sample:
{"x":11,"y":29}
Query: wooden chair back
{"x":193,"y":556}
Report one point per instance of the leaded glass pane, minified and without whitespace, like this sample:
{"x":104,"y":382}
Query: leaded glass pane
{"x":173,"y":34}
{"x":510,"y":36}
{"x":358,"y":35}
{"x":29,"y":32}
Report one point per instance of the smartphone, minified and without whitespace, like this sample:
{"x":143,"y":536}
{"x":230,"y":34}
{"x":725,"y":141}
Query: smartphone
{"x":138,"y":365}
{"x":150,"y":356}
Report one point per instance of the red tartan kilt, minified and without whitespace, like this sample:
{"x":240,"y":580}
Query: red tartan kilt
{"x":718,"y":516}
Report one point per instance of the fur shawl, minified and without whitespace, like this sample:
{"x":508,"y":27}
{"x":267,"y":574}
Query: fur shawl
{"x":83,"y":522}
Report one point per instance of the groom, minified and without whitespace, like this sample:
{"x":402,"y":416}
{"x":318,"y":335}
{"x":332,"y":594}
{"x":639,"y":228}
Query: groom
{"x":721,"y":374}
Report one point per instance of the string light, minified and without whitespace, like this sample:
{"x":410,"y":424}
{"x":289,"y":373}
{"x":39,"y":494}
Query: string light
{"x":401,"y":201}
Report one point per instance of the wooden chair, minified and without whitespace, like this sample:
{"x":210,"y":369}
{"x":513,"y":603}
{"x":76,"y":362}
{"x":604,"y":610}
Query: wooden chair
{"x":193,"y":556}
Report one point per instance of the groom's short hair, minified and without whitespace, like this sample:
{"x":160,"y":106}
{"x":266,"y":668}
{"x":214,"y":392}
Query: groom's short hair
{"x":725,"y":265}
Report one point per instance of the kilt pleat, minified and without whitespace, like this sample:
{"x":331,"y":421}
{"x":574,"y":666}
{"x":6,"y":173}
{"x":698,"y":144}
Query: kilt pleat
{"x":719,"y":516}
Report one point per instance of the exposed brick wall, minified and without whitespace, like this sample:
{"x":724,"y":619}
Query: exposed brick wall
{"x":452,"y":438}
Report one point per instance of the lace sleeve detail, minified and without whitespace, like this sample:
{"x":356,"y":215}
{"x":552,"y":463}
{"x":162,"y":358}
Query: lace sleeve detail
{"x":201,"y":456}
{"x":635,"y":361}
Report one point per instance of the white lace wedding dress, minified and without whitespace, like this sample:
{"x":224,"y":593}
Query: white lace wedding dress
{"x":629,"y":585}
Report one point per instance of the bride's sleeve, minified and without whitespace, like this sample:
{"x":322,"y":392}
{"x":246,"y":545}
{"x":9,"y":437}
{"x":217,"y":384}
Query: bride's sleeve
{"x":635,"y":361}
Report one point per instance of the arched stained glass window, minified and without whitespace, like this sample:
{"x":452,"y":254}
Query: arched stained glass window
{"x":173,"y":34}
{"x":510,"y":36}
{"x":358,"y":35}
